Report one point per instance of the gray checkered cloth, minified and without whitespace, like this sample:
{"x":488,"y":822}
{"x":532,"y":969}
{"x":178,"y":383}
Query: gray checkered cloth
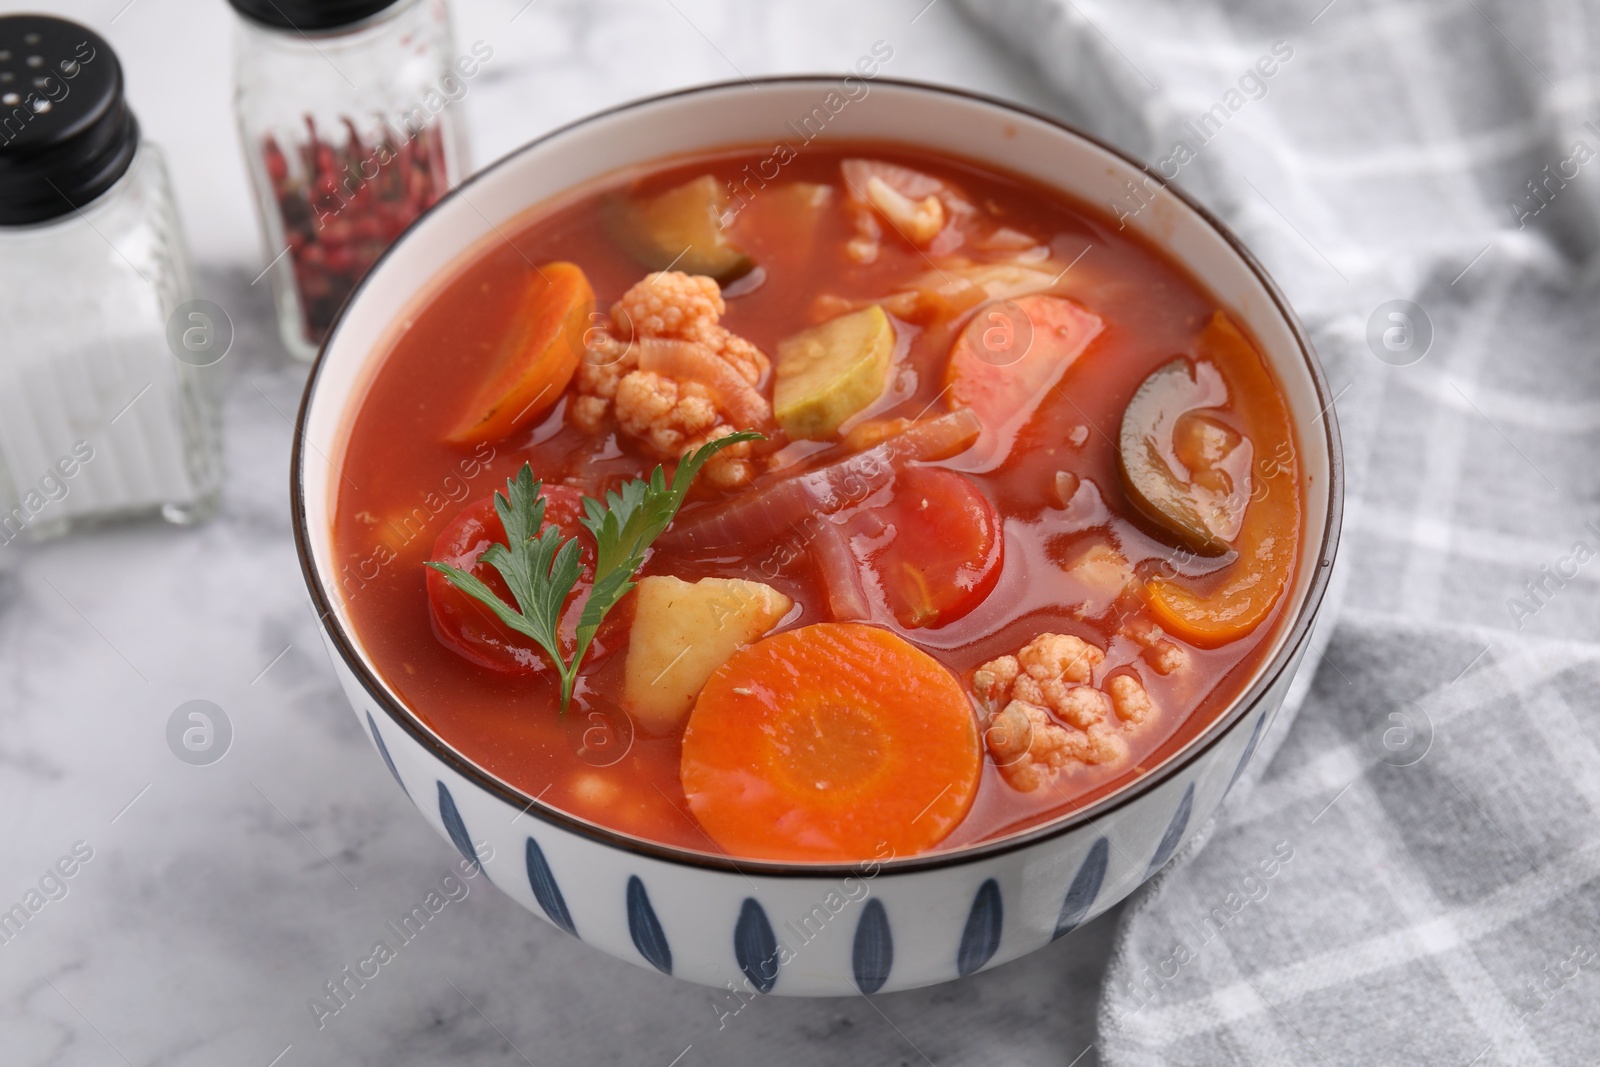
{"x":1408,"y":874}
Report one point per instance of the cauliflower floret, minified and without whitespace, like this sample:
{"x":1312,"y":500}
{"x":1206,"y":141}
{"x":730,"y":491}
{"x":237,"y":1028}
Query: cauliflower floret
{"x":734,"y":466}
{"x":686,"y":307}
{"x":1030,"y":748}
{"x":1164,"y":655}
{"x":1046,"y":714}
{"x":1027,"y":746}
{"x":670,"y":304}
{"x":994,"y":679}
{"x":1102,"y":574}
{"x":1060,"y":656}
{"x":1130,"y":699}
{"x":919,"y":220}
{"x":865,"y":245}
{"x":663,"y":412}
{"x":669,"y":415}
{"x":606,"y":360}
{"x":746,"y":358}
{"x":1083,"y":706}
{"x":1104,"y":744}
{"x":920,"y":208}
{"x":588,"y":413}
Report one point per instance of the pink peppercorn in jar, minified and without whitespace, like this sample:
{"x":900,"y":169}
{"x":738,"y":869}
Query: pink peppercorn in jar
{"x":348,"y":113}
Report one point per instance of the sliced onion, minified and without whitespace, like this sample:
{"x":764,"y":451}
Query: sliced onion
{"x":935,"y":439}
{"x":761,"y":516}
{"x":903,"y":180}
{"x":689,"y":361}
{"x":840,"y":573}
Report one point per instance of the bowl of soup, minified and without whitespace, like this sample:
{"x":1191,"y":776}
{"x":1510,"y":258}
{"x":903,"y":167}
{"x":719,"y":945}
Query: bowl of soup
{"x":816,"y":537}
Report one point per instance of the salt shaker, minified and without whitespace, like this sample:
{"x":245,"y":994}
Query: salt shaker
{"x":345,"y":111}
{"x":98,"y":416}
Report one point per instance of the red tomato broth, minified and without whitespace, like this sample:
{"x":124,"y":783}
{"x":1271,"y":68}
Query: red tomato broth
{"x":396,"y":456}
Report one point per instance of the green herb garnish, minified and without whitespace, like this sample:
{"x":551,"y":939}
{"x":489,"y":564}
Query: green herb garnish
{"x":541,"y":569}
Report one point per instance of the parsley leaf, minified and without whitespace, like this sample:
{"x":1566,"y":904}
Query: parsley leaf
{"x":541,"y":569}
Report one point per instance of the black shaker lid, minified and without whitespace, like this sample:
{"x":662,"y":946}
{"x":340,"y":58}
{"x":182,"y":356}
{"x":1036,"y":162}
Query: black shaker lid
{"x":66,"y":134}
{"x":309,"y":15}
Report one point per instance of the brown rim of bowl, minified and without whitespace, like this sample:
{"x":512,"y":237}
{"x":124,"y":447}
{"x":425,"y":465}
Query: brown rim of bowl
{"x":1296,"y":638}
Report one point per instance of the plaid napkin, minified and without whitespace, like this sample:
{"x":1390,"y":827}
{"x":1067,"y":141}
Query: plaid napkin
{"x":1411,"y":877}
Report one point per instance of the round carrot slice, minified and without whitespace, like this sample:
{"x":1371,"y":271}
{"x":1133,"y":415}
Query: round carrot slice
{"x":830,"y":742}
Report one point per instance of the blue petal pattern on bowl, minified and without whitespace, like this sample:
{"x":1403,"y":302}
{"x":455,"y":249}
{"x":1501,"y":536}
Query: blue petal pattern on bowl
{"x":456,"y":828}
{"x":1084,"y":889}
{"x":872,"y":955}
{"x":981,"y":938}
{"x":1249,"y":749}
{"x":545,"y":889}
{"x":755,"y":946}
{"x":645,"y":928}
{"x":1174,"y":834}
{"x":383,"y":750}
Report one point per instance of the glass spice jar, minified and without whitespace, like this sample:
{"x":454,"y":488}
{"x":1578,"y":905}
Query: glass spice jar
{"x":99,"y":414}
{"x":344,"y":111}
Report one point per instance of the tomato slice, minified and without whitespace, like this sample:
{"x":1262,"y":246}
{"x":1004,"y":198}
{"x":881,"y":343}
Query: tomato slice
{"x":1010,"y":356}
{"x":944,"y":548}
{"x":469,"y":628}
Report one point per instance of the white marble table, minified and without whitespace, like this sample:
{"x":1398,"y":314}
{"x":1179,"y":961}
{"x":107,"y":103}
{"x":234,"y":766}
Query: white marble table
{"x":219,"y":899}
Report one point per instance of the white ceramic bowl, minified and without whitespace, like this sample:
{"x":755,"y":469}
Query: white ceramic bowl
{"x":793,"y":928}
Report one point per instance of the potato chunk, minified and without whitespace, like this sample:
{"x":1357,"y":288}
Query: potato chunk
{"x":682,"y":631}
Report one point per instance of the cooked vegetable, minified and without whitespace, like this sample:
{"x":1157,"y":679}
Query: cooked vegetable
{"x":681,"y":229}
{"x":1225,"y":606}
{"x":953,"y":289}
{"x":827,"y":743}
{"x":872,"y":432}
{"x":541,"y":567}
{"x":782,"y":220}
{"x":673,"y":376}
{"x":1098,"y":571}
{"x":689,"y":361}
{"x":764,"y":515}
{"x":828,"y":373}
{"x":1010,"y":356}
{"x":1186,"y":473}
{"x":462,"y":623}
{"x":944,"y":552}
{"x":1045,"y":713}
{"x":840,"y":573}
{"x":937,"y":296}
{"x":1047,"y":716}
{"x":918,"y":221}
{"x":682,"y":631}
{"x":533,"y":363}
{"x":918,"y":207}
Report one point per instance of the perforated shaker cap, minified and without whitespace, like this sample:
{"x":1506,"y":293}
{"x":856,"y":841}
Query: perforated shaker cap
{"x":66,"y":134}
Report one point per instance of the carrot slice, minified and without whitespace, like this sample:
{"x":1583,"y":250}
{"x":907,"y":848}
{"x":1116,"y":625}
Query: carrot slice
{"x":1225,"y":606}
{"x":536,"y":359}
{"x":829,"y":742}
{"x":1009,"y":357}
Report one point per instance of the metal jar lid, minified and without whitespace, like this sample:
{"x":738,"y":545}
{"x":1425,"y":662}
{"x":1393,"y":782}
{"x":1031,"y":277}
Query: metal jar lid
{"x":66,"y":134}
